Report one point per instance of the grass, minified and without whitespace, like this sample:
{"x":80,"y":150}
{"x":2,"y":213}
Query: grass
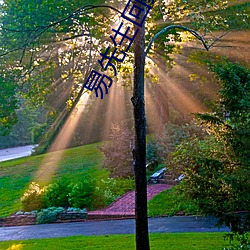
{"x":16,"y":175}
{"x":170,"y":241}
{"x":169,"y":203}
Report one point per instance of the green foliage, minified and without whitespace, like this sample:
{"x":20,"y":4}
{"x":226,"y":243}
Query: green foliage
{"x":32,"y":198}
{"x":205,"y":175}
{"x":16,"y":175}
{"x":103,"y":193}
{"x":118,"y":153}
{"x":166,"y":141}
{"x":8,"y":105}
{"x":236,"y":16}
{"x":48,"y":215}
{"x":91,"y":193}
{"x":152,"y":156}
{"x":38,"y":131}
{"x":57,"y":193}
{"x":81,"y":194}
{"x":108,"y":190}
{"x":242,"y":241}
{"x":21,"y":132}
{"x":216,"y":168}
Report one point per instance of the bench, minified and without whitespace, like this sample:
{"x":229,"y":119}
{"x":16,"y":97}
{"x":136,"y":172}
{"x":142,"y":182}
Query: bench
{"x":155,"y":177}
{"x":182,"y":176}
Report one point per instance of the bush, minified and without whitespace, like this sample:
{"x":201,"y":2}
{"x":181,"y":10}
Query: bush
{"x":33,"y":198}
{"x":109,"y":189}
{"x":48,"y":215}
{"x":81,"y":194}
{"x":243,"y":242}
{"x":57,"y":193}
{"x":103,"y":194}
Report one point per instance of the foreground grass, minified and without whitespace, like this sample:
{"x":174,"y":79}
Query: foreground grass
{"x":172,"y":241}
{"x":16,"y":175}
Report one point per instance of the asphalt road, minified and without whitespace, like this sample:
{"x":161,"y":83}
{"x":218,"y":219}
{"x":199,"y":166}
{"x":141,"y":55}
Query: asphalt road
{"x":156,"y":225}
{"x":14,"y":153}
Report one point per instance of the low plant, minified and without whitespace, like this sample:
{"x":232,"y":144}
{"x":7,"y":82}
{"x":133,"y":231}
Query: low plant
{"x":109,"y":189}
{"x":103,"y":194}
{"x":48,"y":215}
{"x":76,"y":210}
{"x":32,"y":199}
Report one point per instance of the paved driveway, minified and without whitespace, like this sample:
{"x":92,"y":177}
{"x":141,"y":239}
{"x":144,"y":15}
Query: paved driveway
{"x":156,"y":225}
{"x":14,"y":153}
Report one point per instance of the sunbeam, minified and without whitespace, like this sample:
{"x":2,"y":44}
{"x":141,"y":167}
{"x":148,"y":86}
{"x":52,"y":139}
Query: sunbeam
{"x":61,"y":142}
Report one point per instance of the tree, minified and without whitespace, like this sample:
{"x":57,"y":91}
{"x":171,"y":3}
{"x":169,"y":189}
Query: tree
{"x":118,"y":156}
{"x":69,"y":25}
{"x":217,"y":168}
{"x":8,"y":105}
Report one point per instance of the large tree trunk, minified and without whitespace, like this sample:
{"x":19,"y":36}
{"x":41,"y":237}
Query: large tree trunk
{"x":139,"y":152}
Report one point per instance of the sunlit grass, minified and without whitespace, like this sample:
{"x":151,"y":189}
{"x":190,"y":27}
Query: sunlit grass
{"x":172,"y":241}
{"x":16,"y":175}
{"x":50,"y":163}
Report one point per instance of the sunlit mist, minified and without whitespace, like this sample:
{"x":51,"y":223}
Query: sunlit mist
{"x":51,"y":161}
{"x":169,"y":97}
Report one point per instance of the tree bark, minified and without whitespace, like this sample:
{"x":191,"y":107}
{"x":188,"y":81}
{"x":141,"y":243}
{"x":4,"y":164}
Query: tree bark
{"x":139,"y":151}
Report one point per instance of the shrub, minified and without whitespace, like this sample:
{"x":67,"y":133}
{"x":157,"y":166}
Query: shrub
{"x":48,"y":215}
{"x":73,"y":209}
{"x":81,"y":194}
{"x":109,"y":189}
{"x":243,"y":242}
{"x":103,"y":194}
{"x":57,"y":193}
{"x":33,"y":197}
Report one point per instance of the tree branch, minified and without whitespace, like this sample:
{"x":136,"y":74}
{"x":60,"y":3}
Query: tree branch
{"x":42,"y":29}
{"x":193,"y":32}
{"x":76,"y":12}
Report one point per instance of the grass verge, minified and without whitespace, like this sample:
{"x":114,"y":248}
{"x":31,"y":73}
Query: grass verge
{"x":170,"y":241}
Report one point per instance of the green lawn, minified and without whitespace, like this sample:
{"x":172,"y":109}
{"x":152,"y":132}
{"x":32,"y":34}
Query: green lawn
{"x":169,"y":202}
{"x":16,"y":175}
{"x":172,"y":241}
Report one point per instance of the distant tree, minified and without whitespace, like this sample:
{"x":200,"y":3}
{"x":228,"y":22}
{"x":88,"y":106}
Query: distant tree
{"x":8,"y":105}
{"x":118,"y":155}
